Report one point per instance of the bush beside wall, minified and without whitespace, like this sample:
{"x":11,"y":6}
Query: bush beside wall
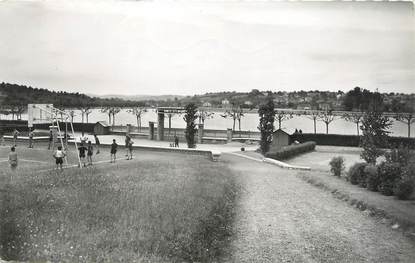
{"x":347,"y":140}
{"x":291,"y":151}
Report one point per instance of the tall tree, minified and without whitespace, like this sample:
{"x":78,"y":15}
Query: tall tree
{"x":204,"y":115}
{"x":266,"y":124}
{"x":313,"y":115}
{"x":138,"y":112}
{"x":190,"y":118}
{"x":281,"y":116}
{"x":327,"y":117}
{"x":236,"y":113}
{"x":355,"y":117}
{"x":375,"y":134}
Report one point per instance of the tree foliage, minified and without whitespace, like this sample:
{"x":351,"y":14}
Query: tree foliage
{"x":266,"y":124}
{"x":374,"y":135}
{"x":190,"y":118}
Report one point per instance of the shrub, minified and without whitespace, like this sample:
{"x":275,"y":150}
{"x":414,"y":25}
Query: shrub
{"x":337,"y":165}
{"x":401,"y":155}
{"x":356,"y":174}
{"x":389,"y":175}
{"x":372,"y":177}
{"x":291,"y":151}
{"x":406,"y":185}
{"x":404,"y":188}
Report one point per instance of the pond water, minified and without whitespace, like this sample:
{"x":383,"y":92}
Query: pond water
{"x":248,"y":123}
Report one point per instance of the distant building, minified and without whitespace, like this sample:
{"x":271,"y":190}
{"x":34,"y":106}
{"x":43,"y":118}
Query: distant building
{"x":225,"y":102}
{"x":280,"y":139}
{"x":248,"y":103}
{"x":207,"y":104}
{"x":101,"y":128}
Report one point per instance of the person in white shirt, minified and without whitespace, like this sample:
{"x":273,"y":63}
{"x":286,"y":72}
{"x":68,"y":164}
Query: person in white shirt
{"x":59,"y":155}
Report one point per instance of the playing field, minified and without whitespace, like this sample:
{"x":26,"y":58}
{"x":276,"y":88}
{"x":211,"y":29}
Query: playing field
{"x":158,"y":207}
{"x":40,"y":158}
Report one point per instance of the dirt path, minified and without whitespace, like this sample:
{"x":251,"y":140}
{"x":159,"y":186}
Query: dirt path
{"x":283,"y":219}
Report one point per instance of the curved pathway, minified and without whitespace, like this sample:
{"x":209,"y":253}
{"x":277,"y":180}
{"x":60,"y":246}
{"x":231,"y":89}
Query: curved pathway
{"x":283,"y":219}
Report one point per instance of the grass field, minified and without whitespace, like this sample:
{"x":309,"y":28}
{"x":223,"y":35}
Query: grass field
{"x":160,"y":207}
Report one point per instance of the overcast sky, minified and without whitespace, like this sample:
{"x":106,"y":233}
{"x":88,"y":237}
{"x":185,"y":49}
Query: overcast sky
{"x":122,"y":47}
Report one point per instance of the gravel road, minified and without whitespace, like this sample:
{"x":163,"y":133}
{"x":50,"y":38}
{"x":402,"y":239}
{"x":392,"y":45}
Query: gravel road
{"x":283,"y":219}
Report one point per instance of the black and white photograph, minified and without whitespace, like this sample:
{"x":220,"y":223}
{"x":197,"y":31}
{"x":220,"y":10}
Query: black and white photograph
{"x":235,"y":131}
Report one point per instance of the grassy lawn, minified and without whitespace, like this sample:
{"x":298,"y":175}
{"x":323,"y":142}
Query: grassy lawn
{"x":160,"y":207}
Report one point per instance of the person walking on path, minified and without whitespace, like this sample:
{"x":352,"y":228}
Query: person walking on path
{"x":13,"y":158}
{"x":114,"y":147}
{"x":97,"y":143}
{"x":59,"y":155}
{"x":31,"y":135}
{"x":90,"y":152}
{"x":15,"y":137}
{"x":50,"y":139}
{"x":82,"y":149}
{"x":127,"y":143}
{"x":176,"y":141}
{"x":130,"y":150}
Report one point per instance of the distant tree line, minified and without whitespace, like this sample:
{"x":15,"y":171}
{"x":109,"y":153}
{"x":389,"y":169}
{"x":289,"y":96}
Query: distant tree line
{"x":14,"y":95}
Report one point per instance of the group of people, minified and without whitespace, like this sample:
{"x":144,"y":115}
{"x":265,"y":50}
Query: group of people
{"x":86,"y":150}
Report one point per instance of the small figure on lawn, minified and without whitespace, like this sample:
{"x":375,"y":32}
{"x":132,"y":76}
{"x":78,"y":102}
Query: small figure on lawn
{"x":13,"y":158}
{"x":59,"y":155}
{"x":31,"y":135}
{"x":90,"y":152}
{"x":127,"y":142}
{"x":176,"y":141}
{"x":130,"y":150}
{"x":114,"y":147}
{"x":15,"y":137}
{"x":50,"y":139}
{"x":82,"y":150}
{"x":97,"y":143}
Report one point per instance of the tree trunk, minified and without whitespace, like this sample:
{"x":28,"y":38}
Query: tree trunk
{"x":233,"y":127}
{"x":109,"y":118}
{"x":327,"y":128}
{"x":279,"y":123}
{"x":138,"y":123}
{"x":315,"y":128}
{"x":357,"y":126}
{"x":239,"y":124}
{"x":83,"y":117}
{"x":113,"y":119}
{"x":409,"y":128}
{"x":169,"y":124}
{"x":87,"y":119}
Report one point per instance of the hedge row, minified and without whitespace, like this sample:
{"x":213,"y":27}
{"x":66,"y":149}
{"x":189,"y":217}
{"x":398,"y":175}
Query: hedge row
{"x":347,"y":140}
{"x":395,"y":176}
{"x":291,"y":151}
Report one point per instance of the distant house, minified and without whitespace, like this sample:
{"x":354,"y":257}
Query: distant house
{"x":225,"y":102}
{"x":101,"y":128}
{"x":248,"y":103}
{"x":322,"y":105}
{"x":280,"y":139}
{"x":207,"y":104}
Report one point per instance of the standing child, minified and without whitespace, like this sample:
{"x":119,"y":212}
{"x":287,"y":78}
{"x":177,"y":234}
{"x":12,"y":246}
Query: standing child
{"x":13,"y":158}
{"x":97,"y":143}
{"x":82,"y":149}
{"x":130,"y":150}
{"x":114,"y":147}
{"x":15,"y":136}
{"x":50,"y":139}
{"x":127,"y":142}
{"x":59,"y":155}
{"x":31,"y":135}
{"x":90,"y":152}
{"x":176,"y":141}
